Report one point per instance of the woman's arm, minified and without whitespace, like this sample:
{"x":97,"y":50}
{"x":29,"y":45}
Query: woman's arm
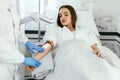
{"x":47,"y":46}
{"x":97,"y":51}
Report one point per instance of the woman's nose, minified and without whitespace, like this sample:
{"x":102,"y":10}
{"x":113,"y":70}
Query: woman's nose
{"x":62,"y":17}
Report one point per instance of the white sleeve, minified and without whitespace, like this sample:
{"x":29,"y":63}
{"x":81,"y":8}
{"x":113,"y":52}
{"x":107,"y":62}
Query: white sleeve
{"x":22,"y":38}
{"x":94,"y":39}
{"x":9,"y":54}
{"x":51,"y":35}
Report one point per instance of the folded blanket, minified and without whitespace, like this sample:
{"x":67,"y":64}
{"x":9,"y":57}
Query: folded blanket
{"x":110,"y":57}
{"x":75,"y":60}
{"x":43,"y":70}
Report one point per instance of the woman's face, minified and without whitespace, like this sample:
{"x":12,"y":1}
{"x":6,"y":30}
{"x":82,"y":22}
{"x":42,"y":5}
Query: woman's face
{"x":65,"y":16}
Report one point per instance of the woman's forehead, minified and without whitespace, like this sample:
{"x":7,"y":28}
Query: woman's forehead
{"x":64,"y":10}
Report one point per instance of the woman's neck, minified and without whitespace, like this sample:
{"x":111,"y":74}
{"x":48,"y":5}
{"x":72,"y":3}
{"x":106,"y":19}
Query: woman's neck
{"x":70,"y":27}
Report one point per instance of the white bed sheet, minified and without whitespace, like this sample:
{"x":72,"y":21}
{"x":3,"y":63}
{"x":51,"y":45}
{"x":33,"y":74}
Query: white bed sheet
{"x":74,"y":60}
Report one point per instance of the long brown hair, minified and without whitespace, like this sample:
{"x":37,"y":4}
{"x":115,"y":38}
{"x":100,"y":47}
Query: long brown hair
{"x":73,"y":15}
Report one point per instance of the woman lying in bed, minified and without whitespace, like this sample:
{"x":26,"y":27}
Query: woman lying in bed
{"x":78,"y":55}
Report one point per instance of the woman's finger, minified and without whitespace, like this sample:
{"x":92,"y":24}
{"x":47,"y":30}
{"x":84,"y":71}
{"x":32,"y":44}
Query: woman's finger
{"x":100,"y":55}
{"x":29,"y":68}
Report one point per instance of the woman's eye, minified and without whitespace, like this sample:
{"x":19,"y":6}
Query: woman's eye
{"x":60,"y":15}
{"x":66,"y":15}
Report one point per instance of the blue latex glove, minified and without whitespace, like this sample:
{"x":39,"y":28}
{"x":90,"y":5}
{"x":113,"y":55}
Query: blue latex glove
{"x":29,"y":61}
{"x":33,"y":48}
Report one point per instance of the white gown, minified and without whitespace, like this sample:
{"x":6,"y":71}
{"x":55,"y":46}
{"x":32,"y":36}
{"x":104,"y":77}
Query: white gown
{"x":74,"y":59}
{"x":10,"y":36}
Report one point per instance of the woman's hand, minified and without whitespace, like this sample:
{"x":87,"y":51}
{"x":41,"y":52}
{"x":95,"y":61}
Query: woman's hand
{"x":29,"y":68}
{"x":99,"y":54}
{"x":97,"y":51}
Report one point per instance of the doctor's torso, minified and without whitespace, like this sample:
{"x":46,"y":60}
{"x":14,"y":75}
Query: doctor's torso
{"x":9,"y":25}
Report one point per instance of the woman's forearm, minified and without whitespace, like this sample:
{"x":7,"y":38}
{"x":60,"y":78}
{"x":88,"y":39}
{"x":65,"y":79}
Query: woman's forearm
{"x":97,"y":51}
{"x":95,"y":48}
{"x":47,"y":47}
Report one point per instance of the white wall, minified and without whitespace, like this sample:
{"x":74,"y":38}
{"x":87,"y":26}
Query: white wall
{"x":107,"y":14}
{"x":107,"y":18}
{"x":107,"y":6}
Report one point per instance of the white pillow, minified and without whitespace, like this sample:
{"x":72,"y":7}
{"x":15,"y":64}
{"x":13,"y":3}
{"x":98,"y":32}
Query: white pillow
{"x":85,"y":20}
{"x":50,"y":13}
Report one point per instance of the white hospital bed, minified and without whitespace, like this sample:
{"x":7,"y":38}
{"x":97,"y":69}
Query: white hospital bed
{"x":84,"y":12}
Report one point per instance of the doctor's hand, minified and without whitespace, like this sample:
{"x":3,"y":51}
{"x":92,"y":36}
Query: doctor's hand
{"x":31,"y":62}
{"x":33,"y":48}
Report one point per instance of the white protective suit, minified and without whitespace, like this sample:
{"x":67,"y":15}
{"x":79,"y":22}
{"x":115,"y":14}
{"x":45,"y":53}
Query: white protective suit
{"x":74,"y":59}
{"x":10,"y":36}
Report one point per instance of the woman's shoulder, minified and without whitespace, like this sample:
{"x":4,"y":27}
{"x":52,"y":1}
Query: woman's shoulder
{"x":57,"y":29}
{"x":53,"y":30}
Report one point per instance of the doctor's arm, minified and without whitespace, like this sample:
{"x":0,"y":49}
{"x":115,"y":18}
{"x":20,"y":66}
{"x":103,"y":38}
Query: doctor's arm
{"x":9,"y":54}
{"x":32,"y":47}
